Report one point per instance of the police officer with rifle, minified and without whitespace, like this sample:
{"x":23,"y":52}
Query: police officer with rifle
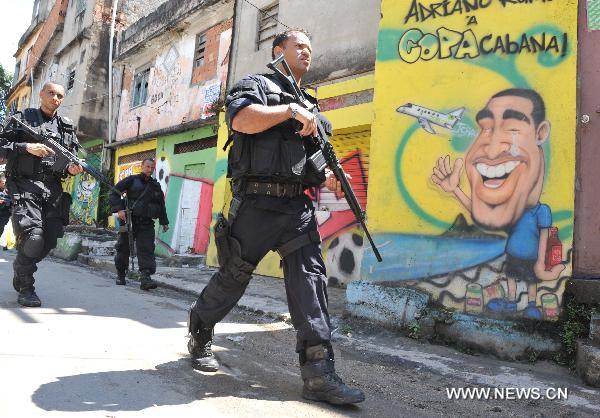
{"x":272,"y":161}
{"x":145,"y":202}
{"x":40,"y":208}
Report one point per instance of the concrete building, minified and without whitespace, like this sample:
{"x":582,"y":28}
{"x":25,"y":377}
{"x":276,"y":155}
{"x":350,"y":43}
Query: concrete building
{"x":171,"y":68}
{"x":20,"y":95}
{"x":342,"y":76}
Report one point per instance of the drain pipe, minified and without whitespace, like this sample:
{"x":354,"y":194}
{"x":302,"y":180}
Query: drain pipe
{"x":110,"y":79}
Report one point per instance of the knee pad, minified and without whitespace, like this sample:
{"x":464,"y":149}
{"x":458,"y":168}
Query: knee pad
{"x":33,"y":244}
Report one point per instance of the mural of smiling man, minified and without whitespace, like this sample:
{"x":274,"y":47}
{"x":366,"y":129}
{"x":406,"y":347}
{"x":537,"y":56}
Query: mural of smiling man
{"x":505,"y":168}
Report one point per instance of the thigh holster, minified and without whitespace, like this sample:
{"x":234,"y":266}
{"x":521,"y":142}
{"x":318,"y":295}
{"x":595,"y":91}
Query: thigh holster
{"x":229,"y":252}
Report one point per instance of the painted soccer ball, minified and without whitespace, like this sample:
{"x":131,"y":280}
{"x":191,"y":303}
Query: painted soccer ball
{"x":344,"y":258}
{"x":162,"y":173}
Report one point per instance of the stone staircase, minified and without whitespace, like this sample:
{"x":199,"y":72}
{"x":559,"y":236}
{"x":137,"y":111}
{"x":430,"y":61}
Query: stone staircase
{"x":96,"y":247}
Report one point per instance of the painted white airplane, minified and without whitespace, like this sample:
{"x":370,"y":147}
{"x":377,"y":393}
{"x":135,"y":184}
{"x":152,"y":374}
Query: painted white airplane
{"x":426,"y":117}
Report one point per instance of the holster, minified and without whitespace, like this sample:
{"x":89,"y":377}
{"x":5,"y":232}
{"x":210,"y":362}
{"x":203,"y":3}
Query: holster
{"x":222,"y":234}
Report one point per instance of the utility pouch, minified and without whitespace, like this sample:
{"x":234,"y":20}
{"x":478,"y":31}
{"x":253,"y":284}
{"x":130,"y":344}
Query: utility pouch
{"x":153,"y":210}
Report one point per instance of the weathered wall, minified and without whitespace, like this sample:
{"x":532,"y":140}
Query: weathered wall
{"x":172,"y":97}
{"x":340,"y":49}
{"x":475,"y":242}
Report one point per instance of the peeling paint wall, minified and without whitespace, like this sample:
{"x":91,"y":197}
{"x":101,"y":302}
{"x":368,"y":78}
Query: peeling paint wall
{"x":173,"y":98}
{"x":472,"y":198}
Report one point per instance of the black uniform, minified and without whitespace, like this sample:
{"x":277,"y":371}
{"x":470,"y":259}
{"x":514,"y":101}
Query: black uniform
{"x":147,"y":202}
{"x":270,"y":211}
{"x":270,"y":174}
{"x":40,"y":208}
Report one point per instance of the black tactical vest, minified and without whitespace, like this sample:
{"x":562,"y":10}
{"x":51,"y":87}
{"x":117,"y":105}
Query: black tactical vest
{"x":28,"y":165}
{"x":278,"y":154}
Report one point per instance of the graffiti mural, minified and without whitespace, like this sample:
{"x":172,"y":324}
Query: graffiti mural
{"x":475,"y":203}
{"x":85,"y":192}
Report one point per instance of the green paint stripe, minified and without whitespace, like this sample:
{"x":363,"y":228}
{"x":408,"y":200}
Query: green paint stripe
{"x":412,"y":204}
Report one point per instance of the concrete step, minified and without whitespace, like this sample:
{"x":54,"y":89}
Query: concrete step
{"x":185,"y":260}
{"x":101,"y":262}
{"x":595,"y":328}
{"x":588,"y":362}
{"x":94,"y":246}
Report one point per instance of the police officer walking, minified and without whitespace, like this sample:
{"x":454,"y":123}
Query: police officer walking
{"x":270,"y":211}
{"x":146,"y":201}
{"x":4,"y":205}
{"x":40,"y":208}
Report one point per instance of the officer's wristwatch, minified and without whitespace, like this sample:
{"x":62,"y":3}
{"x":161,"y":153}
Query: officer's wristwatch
{"x":294,"y":110}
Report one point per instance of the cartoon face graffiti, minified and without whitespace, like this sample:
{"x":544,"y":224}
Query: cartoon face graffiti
{"x":505,"y":163}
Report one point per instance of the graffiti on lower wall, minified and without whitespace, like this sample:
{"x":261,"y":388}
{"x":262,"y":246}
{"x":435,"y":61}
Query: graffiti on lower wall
{"x":481,"y":212}
{"x":85,"y":194}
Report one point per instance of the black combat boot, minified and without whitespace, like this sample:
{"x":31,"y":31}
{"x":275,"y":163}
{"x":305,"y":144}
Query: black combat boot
{"x":146,"y":283}
{"x":199,"y":345}
{"x":28,"y":298}
{"x":121,"y":278}
{"x":321,"y":382}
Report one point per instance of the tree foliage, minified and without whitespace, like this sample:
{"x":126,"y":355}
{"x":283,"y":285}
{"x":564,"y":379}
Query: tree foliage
{"x":5,"y":83}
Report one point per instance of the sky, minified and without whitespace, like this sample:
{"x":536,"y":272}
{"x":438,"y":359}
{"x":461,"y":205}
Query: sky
{"x":14,"y":21}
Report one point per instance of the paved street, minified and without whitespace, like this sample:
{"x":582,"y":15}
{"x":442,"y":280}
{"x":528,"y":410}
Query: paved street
{"x":98,"y":350}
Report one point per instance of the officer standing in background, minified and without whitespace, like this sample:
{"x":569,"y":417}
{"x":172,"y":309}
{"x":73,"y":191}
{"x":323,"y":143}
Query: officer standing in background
{"x":147,"y":203}
{"x":40,"y":208}
{"x":270,"y":211}
{"x":4,"y":205}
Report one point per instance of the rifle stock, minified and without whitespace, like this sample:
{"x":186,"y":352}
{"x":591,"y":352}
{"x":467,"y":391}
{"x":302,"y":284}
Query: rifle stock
{"x":327,"y":150}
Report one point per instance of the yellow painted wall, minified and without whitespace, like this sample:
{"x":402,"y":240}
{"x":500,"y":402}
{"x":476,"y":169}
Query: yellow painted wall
{"x":131,"y":149}
{"x":459,"y":61}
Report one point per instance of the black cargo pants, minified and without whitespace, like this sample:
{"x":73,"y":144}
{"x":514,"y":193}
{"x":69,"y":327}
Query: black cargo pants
{"x":259,"y":230}
{"x":37,"y":226}
{"x":143,"y":235}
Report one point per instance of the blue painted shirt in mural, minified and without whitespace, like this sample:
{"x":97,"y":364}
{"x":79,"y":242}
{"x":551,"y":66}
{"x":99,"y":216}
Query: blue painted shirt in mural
{"x":524,"y":237}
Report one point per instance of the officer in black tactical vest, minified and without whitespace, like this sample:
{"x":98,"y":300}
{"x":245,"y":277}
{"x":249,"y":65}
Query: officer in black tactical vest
{"x":270,"y":211}
{"x":40,"y":208}
{"x":147,"y":203}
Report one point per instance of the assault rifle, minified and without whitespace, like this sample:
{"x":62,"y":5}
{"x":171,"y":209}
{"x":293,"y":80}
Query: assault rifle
{"x":64,"y":157}
{"x":325,"y":156}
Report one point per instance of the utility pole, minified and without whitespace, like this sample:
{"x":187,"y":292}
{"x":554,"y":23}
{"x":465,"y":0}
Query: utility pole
{"x":105,"y":151}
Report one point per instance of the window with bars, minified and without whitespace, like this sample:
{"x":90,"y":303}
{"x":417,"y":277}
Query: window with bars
{"x":196,"y":145}
{"x":267,"y":25}
{"x":137,"y":157}
{"x":140,"y":88}
{"x":71,"y":81}
{"x":200,"y":49}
